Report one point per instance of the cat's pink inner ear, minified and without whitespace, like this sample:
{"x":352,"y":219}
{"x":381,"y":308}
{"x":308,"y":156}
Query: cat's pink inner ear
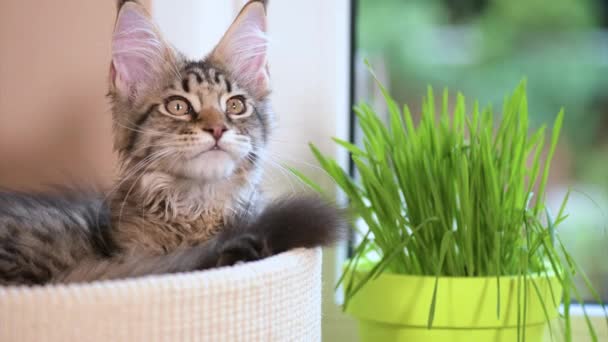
{"x":138,"y":51}
{"x":244,"y":48}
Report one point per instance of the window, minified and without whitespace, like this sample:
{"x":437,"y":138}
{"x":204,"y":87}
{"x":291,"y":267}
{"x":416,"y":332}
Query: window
{"x":484,"y":48}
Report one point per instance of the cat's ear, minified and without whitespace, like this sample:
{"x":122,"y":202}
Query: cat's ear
{"x":243,"y":49}
{"x":139,"y":53}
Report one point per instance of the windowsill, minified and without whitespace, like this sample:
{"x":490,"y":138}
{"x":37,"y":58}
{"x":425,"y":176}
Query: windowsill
{"x":593,"y":310}
{"x":580,"y":330}
{"x":340,"y":327}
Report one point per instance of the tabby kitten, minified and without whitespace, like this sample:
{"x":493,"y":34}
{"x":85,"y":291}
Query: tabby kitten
{"x":190,"y":136}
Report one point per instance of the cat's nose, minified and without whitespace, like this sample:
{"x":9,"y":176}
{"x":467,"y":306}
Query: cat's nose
{"x":216,"y":131}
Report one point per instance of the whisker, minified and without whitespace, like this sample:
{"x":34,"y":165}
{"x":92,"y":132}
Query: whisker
{"x":130,"y":173}
{"x":281,"y":158}
{"x":166,"y":144}
{"x":159,"y":156}
{"x":148,"y":131}
{"x":284,"y":172}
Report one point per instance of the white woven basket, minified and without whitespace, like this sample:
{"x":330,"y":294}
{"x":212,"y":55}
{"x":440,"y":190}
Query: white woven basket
{"x":275,"y":299}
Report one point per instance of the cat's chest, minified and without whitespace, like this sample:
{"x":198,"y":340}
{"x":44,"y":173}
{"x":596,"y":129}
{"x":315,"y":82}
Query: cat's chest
{"x":190,"y":231}
{"x":160,"y":235}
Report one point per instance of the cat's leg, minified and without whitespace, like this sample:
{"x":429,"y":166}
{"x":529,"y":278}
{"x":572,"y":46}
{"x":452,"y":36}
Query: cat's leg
{"x":141,"y":264}
{"x":43,"y":235}
{"x":242,"y":248}
{"x":217,"y":252}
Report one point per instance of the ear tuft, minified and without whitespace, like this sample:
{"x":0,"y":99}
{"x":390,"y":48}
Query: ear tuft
{"x":244,"y":48}
{"x":138,"y":51}
{"x":120,"y":3}
{"x":264,"y":2}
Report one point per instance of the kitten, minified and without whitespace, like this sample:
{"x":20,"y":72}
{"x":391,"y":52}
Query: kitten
{"x":190,"y":136}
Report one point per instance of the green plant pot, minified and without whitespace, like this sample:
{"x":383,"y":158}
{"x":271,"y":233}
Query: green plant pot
{"x":396,"y":308}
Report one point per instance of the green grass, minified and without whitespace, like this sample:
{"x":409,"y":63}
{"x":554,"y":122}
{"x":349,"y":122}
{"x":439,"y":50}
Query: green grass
{"x":460,"y":192}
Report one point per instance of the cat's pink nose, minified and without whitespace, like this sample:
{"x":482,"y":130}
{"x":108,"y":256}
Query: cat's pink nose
{"x":216,"y":131}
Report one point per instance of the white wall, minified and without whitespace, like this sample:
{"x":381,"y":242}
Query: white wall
{"x":192,"y":26}
{"x":309,"y":64}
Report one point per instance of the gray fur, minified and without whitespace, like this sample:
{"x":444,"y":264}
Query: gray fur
{"x":45,"y":234}
{"x":182,"y":201}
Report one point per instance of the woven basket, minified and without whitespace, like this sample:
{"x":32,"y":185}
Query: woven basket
{"x":275,"y":299}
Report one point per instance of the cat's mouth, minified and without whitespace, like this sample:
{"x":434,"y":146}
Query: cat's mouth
{"x":214,"y":149}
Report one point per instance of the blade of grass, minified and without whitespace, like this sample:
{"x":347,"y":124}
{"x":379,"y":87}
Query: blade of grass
{"x":445,"y":241}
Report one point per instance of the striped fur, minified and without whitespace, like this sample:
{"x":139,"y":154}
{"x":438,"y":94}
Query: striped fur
{"x":187,"y":197}
{"x":42,"y":235}
{"x":174,"y":174}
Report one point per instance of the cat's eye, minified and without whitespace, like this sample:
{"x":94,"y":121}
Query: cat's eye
{"x":235,"y":105}
{"x":178,"y":106}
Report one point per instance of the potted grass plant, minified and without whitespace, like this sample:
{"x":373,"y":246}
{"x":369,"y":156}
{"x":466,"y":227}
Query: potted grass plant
{"x":456,"y":243}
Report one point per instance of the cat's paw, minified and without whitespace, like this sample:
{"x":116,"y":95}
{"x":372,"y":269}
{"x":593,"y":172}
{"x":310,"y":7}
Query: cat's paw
{"x":242,"y":248}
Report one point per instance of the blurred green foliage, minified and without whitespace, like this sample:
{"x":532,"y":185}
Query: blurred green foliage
{"x":556,"y":44}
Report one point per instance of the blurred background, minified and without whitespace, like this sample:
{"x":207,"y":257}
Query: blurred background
{"x":484,"y":48}
{"x":54,"y":119}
